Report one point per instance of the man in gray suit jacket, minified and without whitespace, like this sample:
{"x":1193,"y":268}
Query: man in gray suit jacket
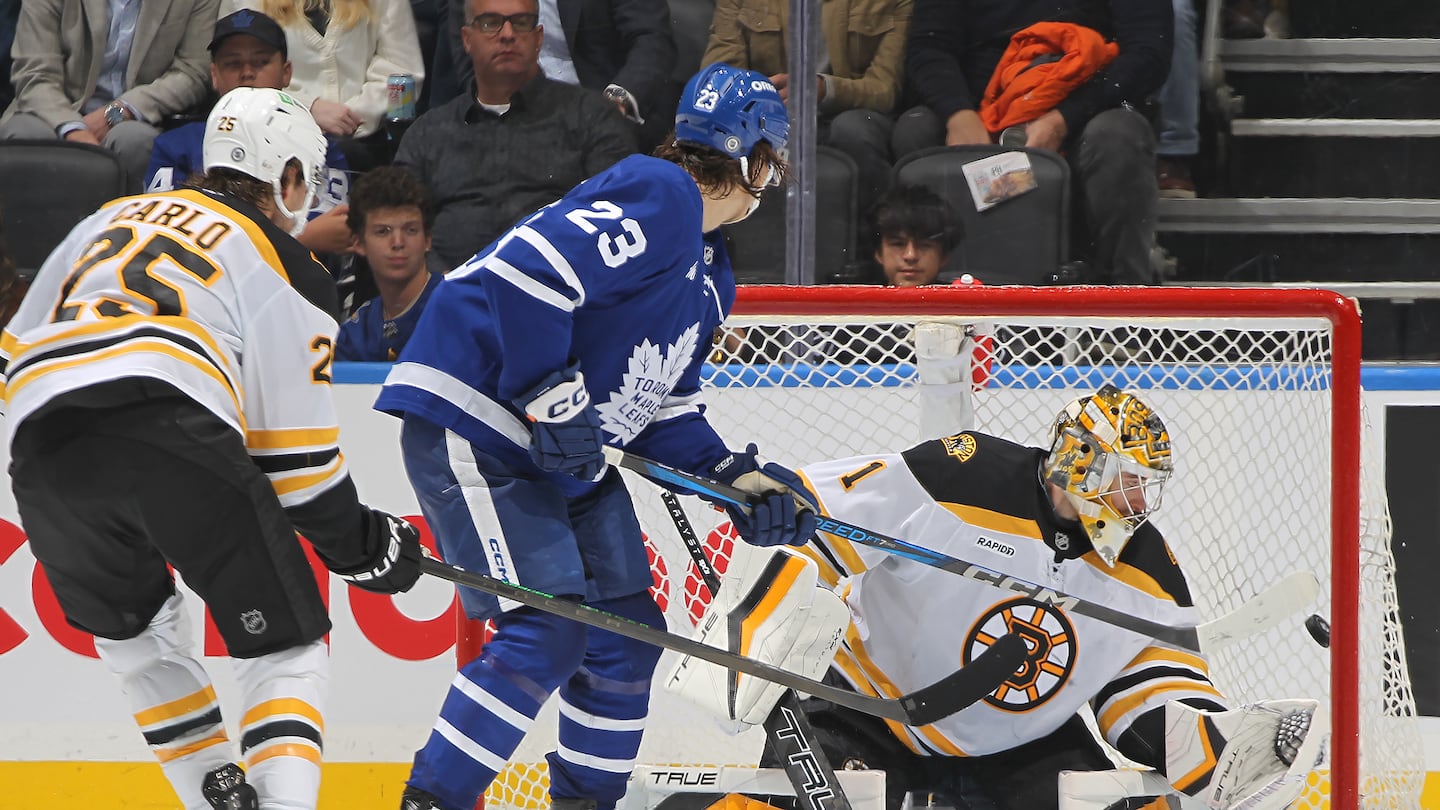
{"x":107,"y":71}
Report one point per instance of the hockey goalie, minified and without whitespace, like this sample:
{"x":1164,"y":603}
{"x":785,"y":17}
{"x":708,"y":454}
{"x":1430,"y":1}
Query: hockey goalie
{"x":1074,"y":517}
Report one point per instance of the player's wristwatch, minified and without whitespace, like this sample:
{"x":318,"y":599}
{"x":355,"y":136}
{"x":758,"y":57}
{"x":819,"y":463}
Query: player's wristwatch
{"x":114,"y":114}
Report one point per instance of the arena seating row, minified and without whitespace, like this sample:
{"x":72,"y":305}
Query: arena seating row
{"x":51,"y":185}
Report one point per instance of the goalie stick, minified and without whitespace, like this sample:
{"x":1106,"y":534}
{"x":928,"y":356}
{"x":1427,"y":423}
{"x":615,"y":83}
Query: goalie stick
{"x":1266,"y":610}
{"x":919,"y":708}
{"x":787,"y":729}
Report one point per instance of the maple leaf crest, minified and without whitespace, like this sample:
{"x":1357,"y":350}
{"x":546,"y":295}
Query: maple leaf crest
{"x":647,"y":381}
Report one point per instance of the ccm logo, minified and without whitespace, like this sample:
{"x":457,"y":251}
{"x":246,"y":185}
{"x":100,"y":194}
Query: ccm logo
{"x":558,"y":411}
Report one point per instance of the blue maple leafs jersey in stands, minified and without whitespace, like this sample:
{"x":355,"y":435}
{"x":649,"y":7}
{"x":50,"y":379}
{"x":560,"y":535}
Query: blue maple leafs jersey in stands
{"x":617,"y":275}
{"x":368,"y":336}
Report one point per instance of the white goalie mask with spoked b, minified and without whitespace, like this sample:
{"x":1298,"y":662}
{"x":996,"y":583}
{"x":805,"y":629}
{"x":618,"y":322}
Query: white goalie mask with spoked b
{"x":257,"y":131}
{"x":1110,"y":453}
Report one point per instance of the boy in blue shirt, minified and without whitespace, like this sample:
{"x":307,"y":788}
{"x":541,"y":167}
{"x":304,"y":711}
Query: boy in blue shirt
{"x":390,"y":213}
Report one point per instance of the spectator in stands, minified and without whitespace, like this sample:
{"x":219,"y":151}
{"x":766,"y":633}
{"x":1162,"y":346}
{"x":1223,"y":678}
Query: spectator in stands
{"x":624,"y":48}
{"x":391,"y":214}
{"x":1178,"y":127}
{"x":521,"y":142}
{"x":343,"y":52}
{"x":1086,"y":114}
{"x":150,"y":63}
{"x":9,"y":15}
{"x":249,"y":50}
{"x":858,"y":86}
{"x":915,"y":231}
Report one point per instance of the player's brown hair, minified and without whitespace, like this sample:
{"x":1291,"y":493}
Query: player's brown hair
{"x":238,"y":184}
{"x":717,"y":173}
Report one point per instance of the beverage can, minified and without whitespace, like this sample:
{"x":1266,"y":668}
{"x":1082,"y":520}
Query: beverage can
{"x":400,"y":88}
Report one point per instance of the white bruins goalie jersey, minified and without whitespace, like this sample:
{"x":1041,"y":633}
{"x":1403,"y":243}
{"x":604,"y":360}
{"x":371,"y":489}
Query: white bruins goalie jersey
{"x":201,"y":292}
{"x":981,"y":499}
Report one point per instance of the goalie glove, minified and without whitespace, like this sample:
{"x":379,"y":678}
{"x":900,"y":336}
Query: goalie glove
{"x":768,"y":608}
{"x":395,"y":563}
{"x":1256,"y":757}
{"x":783,"y":511}
{"x":565,"y":434}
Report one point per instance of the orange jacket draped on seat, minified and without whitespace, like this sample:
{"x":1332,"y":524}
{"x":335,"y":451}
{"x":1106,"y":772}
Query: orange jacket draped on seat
{"x":1020,"y":91}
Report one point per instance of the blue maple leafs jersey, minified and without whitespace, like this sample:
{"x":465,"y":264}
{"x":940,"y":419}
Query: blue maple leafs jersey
{"x":616,"y":275}
{"x":367,"y":336}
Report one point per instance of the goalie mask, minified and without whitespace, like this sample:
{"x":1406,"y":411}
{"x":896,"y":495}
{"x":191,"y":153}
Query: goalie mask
{"x":257,"y":131}
{"x":1111,"y":455}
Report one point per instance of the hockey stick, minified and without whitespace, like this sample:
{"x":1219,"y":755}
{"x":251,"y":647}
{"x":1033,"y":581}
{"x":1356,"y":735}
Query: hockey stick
{"x":787,"y":729}
{"x":1266,"y":610}
{"x":919,"y":708}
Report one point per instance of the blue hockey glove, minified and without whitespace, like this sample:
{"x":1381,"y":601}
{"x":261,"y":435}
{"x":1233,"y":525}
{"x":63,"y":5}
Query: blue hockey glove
{"x":565,"y":433}
{"x":782,"y":509}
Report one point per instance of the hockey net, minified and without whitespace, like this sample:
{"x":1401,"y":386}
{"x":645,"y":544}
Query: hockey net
{"x":1260,"y":389}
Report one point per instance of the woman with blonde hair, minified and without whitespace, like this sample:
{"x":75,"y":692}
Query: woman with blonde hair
{"x":342,"y":52}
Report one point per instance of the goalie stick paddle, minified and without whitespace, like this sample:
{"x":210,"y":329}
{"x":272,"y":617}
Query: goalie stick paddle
{"x":919,"y":708}
{"x":1266,"y":610}
{"x":787,"y":729}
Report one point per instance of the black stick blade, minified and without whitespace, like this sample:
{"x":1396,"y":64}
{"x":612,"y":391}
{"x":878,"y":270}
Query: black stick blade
{"x":967,"y":685}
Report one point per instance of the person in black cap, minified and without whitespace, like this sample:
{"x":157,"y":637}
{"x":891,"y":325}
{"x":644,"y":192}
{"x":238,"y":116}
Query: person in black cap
{"x":249,"y":50}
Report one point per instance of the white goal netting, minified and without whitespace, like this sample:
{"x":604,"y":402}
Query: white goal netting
{"x":1246,"y":381}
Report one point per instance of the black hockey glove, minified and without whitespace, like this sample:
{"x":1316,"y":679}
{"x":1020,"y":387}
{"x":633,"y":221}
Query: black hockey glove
{"x":782,"y":509}
{"x":565,"y":433}
{"x":395,"y":565}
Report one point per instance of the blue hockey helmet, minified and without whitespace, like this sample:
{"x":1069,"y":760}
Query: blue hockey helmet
{"x":731,"y":109}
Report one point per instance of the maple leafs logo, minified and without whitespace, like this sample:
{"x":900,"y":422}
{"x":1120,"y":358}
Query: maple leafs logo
{"x":650,"y":375}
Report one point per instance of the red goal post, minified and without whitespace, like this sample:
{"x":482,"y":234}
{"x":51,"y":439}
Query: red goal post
{"x":1275,"y":470}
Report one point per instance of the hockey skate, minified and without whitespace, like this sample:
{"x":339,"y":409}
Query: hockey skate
{"x":417,"y":799}
{"x":226,"y":789}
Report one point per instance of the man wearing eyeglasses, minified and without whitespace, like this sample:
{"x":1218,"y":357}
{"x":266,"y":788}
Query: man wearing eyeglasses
{"x":624,"y":48}
{"x":519,"y":142}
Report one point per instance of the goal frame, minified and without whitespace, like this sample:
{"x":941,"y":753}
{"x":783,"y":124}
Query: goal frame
{"x":1343,"y":314}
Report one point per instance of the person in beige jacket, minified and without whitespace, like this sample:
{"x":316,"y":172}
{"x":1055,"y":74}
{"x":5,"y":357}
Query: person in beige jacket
{"x":342,"y":53}
{"x":859,"y":81}
{"x":107,"y":72}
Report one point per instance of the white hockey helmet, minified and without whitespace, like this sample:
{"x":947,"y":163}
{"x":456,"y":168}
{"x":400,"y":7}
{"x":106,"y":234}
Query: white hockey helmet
{"x":1110,"y":453}
{"x":257,"y":131}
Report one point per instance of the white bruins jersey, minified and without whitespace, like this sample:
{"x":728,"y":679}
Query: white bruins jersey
{"x":979,"y":498}
{"x":204,"y":293}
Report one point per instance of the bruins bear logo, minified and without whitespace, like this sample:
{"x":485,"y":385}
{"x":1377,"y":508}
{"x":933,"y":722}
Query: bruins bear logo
{"x":1051,"y":641}
{"x":961,"y":446}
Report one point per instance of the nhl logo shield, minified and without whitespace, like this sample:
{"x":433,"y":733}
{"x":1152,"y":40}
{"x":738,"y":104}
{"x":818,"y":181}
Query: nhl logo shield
{"x":253,"y":621}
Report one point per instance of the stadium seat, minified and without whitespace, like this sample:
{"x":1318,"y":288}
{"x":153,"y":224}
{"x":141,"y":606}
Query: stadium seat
{"x":49,"y":186}
{"x":757,"y":245}
{"x":1023,"y":240}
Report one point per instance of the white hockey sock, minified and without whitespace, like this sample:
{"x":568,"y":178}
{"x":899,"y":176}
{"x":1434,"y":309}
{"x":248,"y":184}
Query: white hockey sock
{"x":173,"y":700}
{"x":281,"y":730}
